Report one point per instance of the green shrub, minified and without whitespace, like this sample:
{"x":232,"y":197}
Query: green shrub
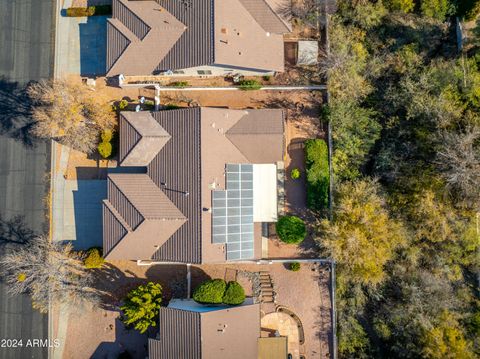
{"x":210,"y":292}
{"x":291,"y":229}
{"x":318,"y":176}
{"x":266,"y":77}
{"x":294,"y":266}
{"x":178,"y":84}
{"x":105,"y":149}
{"x":295,"y":174}
{"x":94,"y":258}
{"x":89,"y":11}
{"x":142,"y":306}
{"x":106,"y":135}
{"x":246,"y":85}
{"x":234,"y":294}
{"x":122,"y":105}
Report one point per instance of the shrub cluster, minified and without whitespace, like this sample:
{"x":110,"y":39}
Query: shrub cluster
{"x":89,"y":11}
{"x":468,"y":9}
{"x":291,"y":229}
{"x":94,"y":258}
{"x":105,"y":147}
{"x":217,"y":291}
{"x":246,"y":85}
{"x":318,"y":176}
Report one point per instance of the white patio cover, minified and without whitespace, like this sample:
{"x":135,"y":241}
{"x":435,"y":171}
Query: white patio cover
{"x":264,"y":193}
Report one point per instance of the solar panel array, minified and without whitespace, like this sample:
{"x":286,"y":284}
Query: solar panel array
{"x":233,"y":212}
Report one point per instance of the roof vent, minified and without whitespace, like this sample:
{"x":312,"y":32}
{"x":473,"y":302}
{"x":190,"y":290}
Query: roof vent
{"x":213,"y":124}
{"x":268,"y":34}
{"x":224,"y":30}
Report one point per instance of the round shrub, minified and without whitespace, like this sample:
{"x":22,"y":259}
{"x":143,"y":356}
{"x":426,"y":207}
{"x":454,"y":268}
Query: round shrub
{"x":94,"y":258}
{"x":210,"y":292}
{"x":295,"y":174}
{"x":105,"y":149}
{"x":294,"y":266}
{"x":291,"y":229}
{"x":248,"y":85}
{"x":234,"y":294}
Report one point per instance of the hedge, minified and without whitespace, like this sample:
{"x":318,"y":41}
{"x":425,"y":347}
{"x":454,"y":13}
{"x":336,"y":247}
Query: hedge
{"x":234,"y":294}
{"x":89,"y":11}
{"x":291,"y":229}
{"x":210,"y":292}
{"x":216,"y":291}
{"x":94,"y":258}
{"x":318,"y":176}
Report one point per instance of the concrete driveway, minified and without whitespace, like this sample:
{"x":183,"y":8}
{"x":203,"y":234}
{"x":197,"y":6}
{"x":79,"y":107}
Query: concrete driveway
{"x":80,"y":45}
{"x":82,"y":212}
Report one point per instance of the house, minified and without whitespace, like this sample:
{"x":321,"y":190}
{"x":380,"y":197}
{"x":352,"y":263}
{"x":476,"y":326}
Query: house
{"x":189,"y":330}
{"x":195,"y":37}
{"x":207,"y":180}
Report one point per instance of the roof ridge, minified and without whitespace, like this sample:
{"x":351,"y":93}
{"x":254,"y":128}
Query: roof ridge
{"x":117,"y":215}
{"x":127,"y":199}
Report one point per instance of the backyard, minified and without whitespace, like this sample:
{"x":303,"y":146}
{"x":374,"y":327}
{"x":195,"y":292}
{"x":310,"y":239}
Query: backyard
{"x":312,"y":282}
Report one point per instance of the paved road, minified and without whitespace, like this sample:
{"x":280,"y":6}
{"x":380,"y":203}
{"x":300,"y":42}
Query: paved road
{"x":25,"y":55}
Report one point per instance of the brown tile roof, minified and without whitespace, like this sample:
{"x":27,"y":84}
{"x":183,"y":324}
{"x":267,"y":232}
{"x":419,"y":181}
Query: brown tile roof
{"x":179,"y":335}
{"x":231,"y":333}
{"x":146,"y":37}
{"x":142,"y":138}
{"x":146,"y":215}
{"x":259,"y":129}
{"x":183,"y":171}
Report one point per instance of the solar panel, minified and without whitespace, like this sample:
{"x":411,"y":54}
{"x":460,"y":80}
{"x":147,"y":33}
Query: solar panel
{"x":233,"y":212}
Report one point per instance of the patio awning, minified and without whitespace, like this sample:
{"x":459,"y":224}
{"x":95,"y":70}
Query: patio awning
{"x":264,"y":193}
{"x":272,"y":348}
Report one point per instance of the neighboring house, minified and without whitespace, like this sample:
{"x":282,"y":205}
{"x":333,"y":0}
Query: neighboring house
{"x":189,"y":330}
{"x":210,"y":183}
{"x":196,"y":37}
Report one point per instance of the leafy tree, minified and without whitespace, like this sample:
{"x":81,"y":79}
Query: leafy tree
{"x":362,"y":237}
{"x":142,"y":305}
{"x":210,"y":292}
{"x":234,"y":294}
{"x":446,"y":340}
{"x":437,"y":9}
{"x":401,"y":5}
{"x":49,"y":272}
{"x":69,"y":113}
{"x":355,"y":131}
{"x":291,"y":229}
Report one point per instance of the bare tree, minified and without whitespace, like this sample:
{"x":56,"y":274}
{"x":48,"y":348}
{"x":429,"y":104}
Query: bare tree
{"x":70,"y":113}
{"x":47,"y":271}
{"x":459,"y":160}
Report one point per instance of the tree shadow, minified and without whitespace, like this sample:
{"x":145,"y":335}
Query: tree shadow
{"x":128,"y":343}
{"x":16,"y":112}
{"x":15,"y":231}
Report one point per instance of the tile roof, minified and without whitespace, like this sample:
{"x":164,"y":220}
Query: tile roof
{"x":138,"y":216}
{"x":230,"y":332}
{"x":142,"y":138}
{"x":146,"y":37}
{"x":178,"y":180}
